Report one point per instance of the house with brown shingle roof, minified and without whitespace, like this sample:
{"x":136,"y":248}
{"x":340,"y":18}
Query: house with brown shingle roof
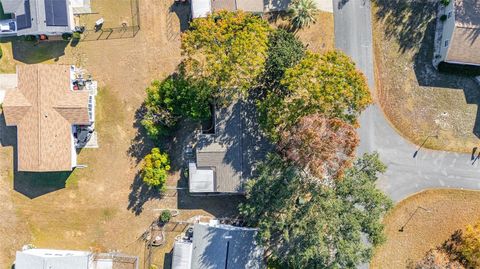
{"x":458,"y":33}
{"x":46,"y":107}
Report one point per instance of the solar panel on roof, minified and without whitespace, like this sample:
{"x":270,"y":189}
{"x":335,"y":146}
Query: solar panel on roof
{"x":56,"y":12}
{"x":24,"y":21}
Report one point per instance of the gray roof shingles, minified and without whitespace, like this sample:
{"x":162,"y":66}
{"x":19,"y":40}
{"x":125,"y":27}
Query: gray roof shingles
{"x":235,"y":149}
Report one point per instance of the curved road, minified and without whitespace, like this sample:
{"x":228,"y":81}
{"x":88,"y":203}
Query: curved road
{"x":406,"y":174}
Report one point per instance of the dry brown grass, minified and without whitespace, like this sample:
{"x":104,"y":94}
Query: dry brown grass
{"x":99,"y":208}
{"x":319,"y":37}
{"x":450,"y":210}
{"x":7,"y":64}
{"x":418,"y":100}
{"x":114,"y":13}
{"x":94,"y":209}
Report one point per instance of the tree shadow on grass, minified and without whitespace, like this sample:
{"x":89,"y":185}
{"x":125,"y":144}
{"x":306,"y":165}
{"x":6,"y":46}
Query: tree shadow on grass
{"x":140,"y":193}
{"x":33,"y":184}
{"x":405,"y":21}
{"x":141,"y":144}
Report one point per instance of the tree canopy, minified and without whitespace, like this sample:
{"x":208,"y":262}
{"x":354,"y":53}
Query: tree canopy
{"x":304,"y":224}
{"x":328,"y":84}
{"x":155,"y":169}
{"x":323,"y":147}
{"x":284,"y":51}
{"x":171,"y":99}
{"x":470,"y":245}
{"x":227,"y":50}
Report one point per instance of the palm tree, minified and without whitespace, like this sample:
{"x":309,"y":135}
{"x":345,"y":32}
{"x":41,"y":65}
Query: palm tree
{"x":302,"y":13}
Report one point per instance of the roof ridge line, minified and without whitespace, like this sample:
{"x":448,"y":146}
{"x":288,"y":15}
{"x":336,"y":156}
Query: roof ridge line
{"x":39,"y":114}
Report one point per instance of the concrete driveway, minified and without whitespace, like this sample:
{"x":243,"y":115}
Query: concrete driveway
{"x":7,"y":82}
{"x":410,"y":169}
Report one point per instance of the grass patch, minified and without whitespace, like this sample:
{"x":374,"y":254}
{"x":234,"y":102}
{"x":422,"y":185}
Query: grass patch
{"x":7,"y":63}
{"x":319,"y":37}
{"x":448,"y":211}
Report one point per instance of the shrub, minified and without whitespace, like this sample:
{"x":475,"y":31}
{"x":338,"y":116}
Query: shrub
{"x":445,"y":2}
{"x":443,"y":17}
{"x":155,"y":169}
{"x":30,"y":38}
{"x":165,"y":216}
{"x":66,"y":36}
{"x":302,"y":13}
{"x":470,"y":245}
{"x":76,"y":35}
{"x":1,"y":52}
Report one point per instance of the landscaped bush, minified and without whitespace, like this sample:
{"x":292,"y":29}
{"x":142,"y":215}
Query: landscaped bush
{"x":445,"y":2}
{"x":165,"y":216}
{"x":302,"y":13}
{"x":76,"y":35}
{"x":66,"y":36}
{"x":443,"y":17}
{"x":155,"y":169}
{"x":30,"y":38}
{"x":1,"y":53}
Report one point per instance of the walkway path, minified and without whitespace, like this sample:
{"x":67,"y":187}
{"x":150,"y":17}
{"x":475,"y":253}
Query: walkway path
{"x":408,"y":172}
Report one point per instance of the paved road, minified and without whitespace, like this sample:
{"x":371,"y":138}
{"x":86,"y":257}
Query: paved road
{"x":406,"y":174}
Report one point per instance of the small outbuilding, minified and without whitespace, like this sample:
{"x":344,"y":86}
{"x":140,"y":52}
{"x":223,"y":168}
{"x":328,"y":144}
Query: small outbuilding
{"x":202,"y":8}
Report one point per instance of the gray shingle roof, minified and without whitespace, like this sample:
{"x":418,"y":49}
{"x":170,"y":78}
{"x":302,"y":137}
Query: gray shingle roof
{"x":234,"y":150}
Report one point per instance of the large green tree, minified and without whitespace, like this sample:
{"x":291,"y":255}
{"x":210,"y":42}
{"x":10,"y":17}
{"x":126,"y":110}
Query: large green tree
{"x":171,"y":99}
{"x":328,"y":84}
{"x":227,"y":50}
{"x":284,"y":51}
{"x":304,"y":224}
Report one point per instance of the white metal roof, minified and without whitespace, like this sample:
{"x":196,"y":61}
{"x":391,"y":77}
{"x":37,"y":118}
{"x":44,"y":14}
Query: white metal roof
{"x":200,"y":180}
{"x":201,"y":8}
{"x":182,"y":255}
{"x":52,"y":259}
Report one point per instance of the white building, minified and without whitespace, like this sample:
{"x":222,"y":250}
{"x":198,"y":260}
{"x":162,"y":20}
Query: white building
{"x":458,"y":33}
{"x":71,"y":259}
{"x":202,"y":8}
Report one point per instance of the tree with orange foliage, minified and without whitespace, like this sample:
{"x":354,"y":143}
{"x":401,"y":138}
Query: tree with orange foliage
{"x":321,"y":146}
